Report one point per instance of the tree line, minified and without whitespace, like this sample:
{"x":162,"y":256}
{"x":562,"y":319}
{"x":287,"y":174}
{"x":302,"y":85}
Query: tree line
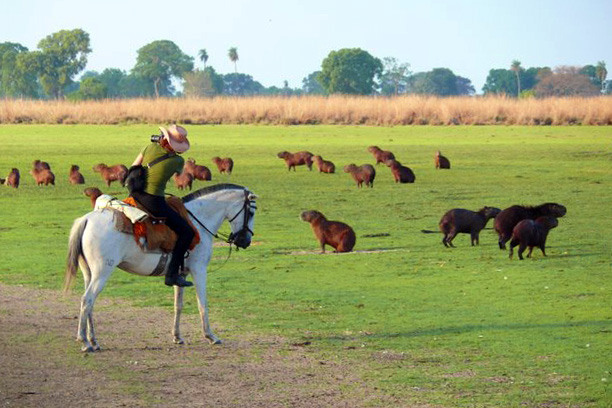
{"x":50,"y":72}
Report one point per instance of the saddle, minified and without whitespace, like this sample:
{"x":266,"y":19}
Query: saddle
{"x":152,"y":233}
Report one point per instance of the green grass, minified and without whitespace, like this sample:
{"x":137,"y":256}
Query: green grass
{"x":431,"y":325}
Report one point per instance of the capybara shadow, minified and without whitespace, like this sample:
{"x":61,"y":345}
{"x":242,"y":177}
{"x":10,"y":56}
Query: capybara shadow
{"x":93,"y":193}
{"x":183,"y":180}
{"x":75,"y":176}
{"x":118,"y":172}
{"x":324,"y":166}
{"x":459,"y":220}
{"x":12,"y":180}
{"x":224,"y":165}
{"x":381,"y":156}
{"x":197,"y":171}
{"x":43,"y":176}
{"x":336,"y":234}
{"x":441,"y":161}
{"x":401,"y":174}
{"x":532,"y":233}
{"x":361,"y":174}
{"x":296,"y":159}
{"x":509,"y":217}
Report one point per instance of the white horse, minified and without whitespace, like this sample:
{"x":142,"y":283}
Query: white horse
{"x":97,"y":247}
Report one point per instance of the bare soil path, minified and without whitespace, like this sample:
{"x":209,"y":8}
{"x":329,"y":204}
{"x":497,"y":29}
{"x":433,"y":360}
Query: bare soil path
{"x":41,"y":365}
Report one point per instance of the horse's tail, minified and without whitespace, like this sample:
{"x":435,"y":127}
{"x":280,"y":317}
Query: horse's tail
{"x":75,"y":250}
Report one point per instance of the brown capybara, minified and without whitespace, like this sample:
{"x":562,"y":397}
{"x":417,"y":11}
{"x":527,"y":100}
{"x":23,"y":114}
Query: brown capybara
{"x":296,"y":159}
{"x":509,"y":217}
{"x":197,"y":171}
{"x":532,"y":233}
{"x":93,"y":193}
{"x":458,"y":220}
{"x":441,"y":161}
{"x":118,"y":172}
{"x":401,"y":174}
{"x":12,"y":180}
{"x":324,"y":166}
{"x":362,"y":174}
{"x":224,"y":165}
{"x":333,"y":233}
{"x":381,"y":156}
{"x":183,"y":180}
{"x":40,"y":165}
{"x":75,"y":176}
{"x":43,"y":176}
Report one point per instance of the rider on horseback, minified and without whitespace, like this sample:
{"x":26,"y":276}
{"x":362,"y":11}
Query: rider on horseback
{"x":172,"y":141}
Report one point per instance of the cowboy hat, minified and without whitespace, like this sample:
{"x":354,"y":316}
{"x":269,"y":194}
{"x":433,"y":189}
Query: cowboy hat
{"x":176,"y":137}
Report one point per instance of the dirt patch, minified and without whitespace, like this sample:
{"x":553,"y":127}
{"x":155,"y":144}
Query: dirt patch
{"x":138,"y":366}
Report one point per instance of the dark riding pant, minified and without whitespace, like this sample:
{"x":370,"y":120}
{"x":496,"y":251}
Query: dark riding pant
{"x":158,"y":207}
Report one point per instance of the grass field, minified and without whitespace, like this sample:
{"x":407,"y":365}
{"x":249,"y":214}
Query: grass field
{"x":444,"y":327}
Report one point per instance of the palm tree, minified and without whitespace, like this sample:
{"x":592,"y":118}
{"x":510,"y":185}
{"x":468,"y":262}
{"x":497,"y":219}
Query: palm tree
{"x":602,"y":73}
{"x":233,"y":56}
{"x":203,"y":56}
{"x":516,"y":67}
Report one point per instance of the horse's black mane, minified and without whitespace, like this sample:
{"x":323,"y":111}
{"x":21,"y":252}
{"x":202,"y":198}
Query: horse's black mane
{"x":209,"y":190}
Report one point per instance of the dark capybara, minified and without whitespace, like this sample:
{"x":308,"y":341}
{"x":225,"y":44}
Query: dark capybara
{"x":401,"y":174}
{"x":12,"y":180}
{"x":75,"y":176}
{"x":509,"y":217}
{"x":530,"y":233}
{"x":183,"y":180}
{"x":333,"y":233}
{"x":362,"y":174}
{"x":381,"y":156}
{"x":197,"y":171}
{"x":224,"y":165}
{"x":324,"y":166}
{"x":43,"y":176}
{"x":118,"y":172}
{"x":458,"y":220}
{"x":441,"y":161}
{"x":296,"y":159}
{"x":93,"y":193}
{"x":40,"y":165}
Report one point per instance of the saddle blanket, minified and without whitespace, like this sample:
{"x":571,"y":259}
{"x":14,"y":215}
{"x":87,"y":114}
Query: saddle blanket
{"x":134,"y":214}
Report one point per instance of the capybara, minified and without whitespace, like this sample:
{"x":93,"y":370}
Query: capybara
{"x":333,"y":233}
{"x":441,"y":161}
{"x":93,"y":193}
{"x":118,"y":172}
{"x":530,"y":233}
{"x":40,"y":165}
{"x":197,"y":171}
{"x":509,"y":217}
{"x":183,"y":180}
{"x":43,"y":176}
{"x":324,"y":166}
{"x":296,"y":159}
{"x":362,"y":174}
{"x":12,"y":180}
{"x":381,"y":156}
{"x":225,"y":165}
{"x":75,"y":176}
{"x":459,"y":220}
{"x":401,"y":174}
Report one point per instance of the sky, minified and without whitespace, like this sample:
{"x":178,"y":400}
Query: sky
{"x":280,"y":40}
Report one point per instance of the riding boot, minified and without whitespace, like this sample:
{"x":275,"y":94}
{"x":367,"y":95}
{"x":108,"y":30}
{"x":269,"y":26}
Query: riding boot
{"x":174,"y":279}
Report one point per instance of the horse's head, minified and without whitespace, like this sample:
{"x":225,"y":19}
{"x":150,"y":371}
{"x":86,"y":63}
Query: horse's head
{"x":242,"y":219}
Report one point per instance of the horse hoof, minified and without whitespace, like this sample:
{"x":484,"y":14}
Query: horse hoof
{"x":179,"y":341}
{"x":216,"y":341}
{"x":87,"y":349}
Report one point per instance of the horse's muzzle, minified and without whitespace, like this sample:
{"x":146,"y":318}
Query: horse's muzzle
{"x":241,"y":239}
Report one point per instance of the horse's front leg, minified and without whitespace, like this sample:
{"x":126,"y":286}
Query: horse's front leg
{"x":199,"y":279}
{"x":178,"y":308}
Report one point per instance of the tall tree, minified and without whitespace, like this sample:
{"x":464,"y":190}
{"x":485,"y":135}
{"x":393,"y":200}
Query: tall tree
{"x":311,"y":84}
{"x":241,"y":85}
{"x":111,"y":78}
{"x":159,"y":62}
{"x":17,"y":78}
{"x":395,"y":77}
{"x":440,"y":81}
{"x":233,"y":56}
{"x":565,"y":81}
{"x":602,"y":73}
{"x":350,"y":71}
{"x":200,"y":83}
{"x":516,"y":68}
{"x":62,"y":56}
{"x":203,"y":55}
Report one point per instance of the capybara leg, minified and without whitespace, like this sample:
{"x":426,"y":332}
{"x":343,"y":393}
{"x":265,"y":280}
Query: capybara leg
{"x":451,"y":235}
{"x":474,"y":237}
{"x":530,"y":251}
{"x":502,"y":242}
{"x":322,"y":247}
{"x":542,"y":248}
{"x":521,"y":250}
{"x":444,"y":240}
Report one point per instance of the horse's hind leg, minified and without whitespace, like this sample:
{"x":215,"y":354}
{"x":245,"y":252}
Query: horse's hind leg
{"x":178,"y":308}
{"x":86,"y":326}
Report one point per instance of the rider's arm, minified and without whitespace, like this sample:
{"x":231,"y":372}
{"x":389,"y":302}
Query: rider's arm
{"x":138,"y":160}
